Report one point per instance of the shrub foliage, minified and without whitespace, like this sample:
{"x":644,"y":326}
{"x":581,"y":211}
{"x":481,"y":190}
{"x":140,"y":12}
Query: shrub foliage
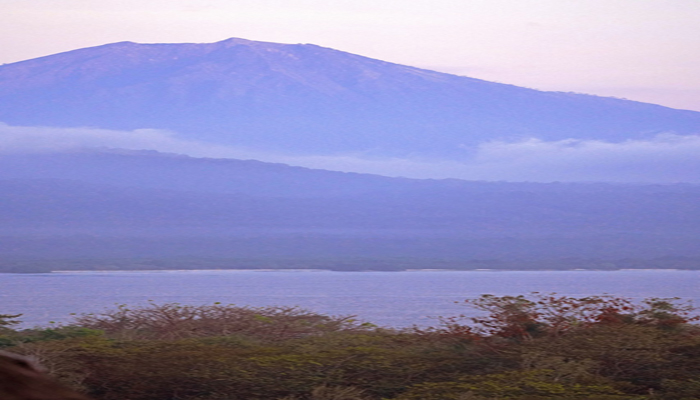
{"x":519,"y":347}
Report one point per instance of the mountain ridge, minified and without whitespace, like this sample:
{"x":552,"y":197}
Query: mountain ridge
{"x":132,"y":204}
{"x":307,"y":99}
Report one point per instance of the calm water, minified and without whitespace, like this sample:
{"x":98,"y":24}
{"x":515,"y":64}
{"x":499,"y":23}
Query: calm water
{"x":384,"y":298}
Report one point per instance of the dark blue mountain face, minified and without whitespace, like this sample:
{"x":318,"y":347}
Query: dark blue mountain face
{"x":305,"y":99}
{"x":144,"y":204}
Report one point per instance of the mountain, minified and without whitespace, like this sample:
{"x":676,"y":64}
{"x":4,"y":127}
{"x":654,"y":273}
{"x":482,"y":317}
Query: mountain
{"x":306,"y":99}
{"x":125,"y":205}
{"x":153,"y":170}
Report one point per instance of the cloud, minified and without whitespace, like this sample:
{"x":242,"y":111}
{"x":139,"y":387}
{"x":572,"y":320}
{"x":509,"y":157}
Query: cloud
{"x":22,"y":139}
{"x":667,"y":158}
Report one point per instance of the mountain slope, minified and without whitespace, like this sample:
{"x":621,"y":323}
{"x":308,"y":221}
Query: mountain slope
{"x":152,"y":170}
{"x":145,"y":204}
{"x":306,"y":99}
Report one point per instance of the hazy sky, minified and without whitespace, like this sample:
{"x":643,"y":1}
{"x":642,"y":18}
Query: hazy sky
{"x":647,"y":50}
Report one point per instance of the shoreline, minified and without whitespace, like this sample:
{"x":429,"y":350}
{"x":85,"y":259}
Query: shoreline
{"x":297,"y":270}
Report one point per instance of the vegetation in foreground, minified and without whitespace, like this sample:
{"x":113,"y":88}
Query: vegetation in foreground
{"x":521,"y":347}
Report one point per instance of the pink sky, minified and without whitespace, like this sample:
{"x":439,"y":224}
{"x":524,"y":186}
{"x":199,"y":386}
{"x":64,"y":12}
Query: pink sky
{"x":646,"y":50}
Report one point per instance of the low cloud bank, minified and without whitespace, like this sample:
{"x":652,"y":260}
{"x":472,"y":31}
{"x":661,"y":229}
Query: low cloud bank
{"x":667,"y":158}
{"x":22,"y":139}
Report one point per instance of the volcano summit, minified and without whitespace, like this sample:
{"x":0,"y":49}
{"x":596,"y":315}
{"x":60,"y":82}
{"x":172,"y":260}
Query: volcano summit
{"x":306,"y":99}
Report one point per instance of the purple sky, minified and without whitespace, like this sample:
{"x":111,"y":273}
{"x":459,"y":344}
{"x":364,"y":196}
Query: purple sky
{"x":646,"y":50}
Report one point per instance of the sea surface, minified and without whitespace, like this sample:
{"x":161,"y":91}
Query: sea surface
{"x":396,"y":299}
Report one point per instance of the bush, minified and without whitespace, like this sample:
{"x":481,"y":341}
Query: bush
{"x":173,"y":321}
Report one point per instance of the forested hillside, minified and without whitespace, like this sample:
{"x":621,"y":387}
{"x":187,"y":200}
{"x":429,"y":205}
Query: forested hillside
{"x":121,"y":209}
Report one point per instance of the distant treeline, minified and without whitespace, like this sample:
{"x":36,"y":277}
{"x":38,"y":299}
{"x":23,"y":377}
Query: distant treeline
{"x":537,"y":347}
{"x":342,"y":264}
